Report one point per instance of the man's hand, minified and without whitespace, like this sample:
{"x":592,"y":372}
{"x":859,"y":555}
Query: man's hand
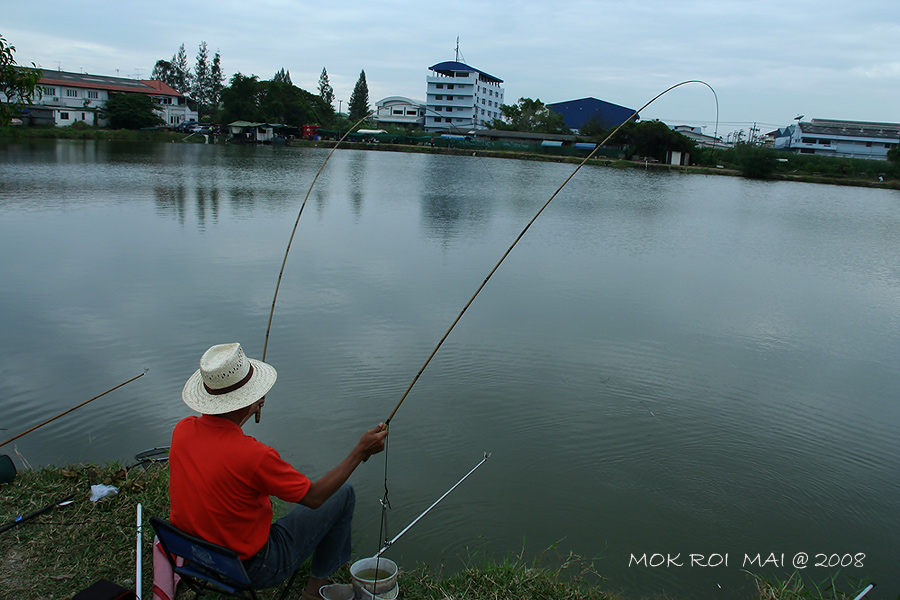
{"x":372,"y":442}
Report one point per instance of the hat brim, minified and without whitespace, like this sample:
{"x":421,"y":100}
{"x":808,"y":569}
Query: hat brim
{"x":196,"y":397}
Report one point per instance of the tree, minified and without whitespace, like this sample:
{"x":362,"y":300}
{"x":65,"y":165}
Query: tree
{"x":594,"y":127}
{"x":326,"y":92}
{"x":240,"y":100}
{"x":181,"y":72}
{"x":651,"y":138}
{"x":359,"y":99}
{"x":19,"y":84}
{"x":249,"y":99}
{"x":894,"y":154}
{"x":201,"y":89}
{"x":283,"y":76}
{"x":216,"y":79}
{"x":755,"y":162}
{"x":532,"y":116}
{"x":130,"y":111}
{"x":164,"y":71}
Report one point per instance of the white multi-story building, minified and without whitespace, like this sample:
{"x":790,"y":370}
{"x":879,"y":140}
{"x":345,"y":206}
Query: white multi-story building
{"x":461,"y":98}
{"x":848,"y":139}
{"x":68,"y":98}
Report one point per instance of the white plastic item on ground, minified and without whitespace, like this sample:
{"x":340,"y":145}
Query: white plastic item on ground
{"x":100,"y":491}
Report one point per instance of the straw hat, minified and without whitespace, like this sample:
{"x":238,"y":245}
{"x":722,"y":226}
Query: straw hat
{"x":227,"y":380}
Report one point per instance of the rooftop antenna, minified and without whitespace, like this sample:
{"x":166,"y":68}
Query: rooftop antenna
{"x":457,"y":48}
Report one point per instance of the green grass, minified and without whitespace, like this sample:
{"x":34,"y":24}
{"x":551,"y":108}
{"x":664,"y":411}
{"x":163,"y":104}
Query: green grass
{"x":68,"y":548}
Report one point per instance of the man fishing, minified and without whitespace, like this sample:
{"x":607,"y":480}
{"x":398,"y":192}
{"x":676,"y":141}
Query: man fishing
{"x":221,"y":480}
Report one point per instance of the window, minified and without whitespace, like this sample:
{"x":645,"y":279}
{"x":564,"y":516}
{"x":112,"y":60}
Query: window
{"x":868,"y":144}
{"x":449,"y":86}
{"x":49,"y":91}
{"x":449,"y":98}
{"x":438,"y":97}
{"x":93,"y":94}
{"x":397,"y":111}
{"x":439,"y":86}
{"x":64,"y":115}
{"x":72,"y":93}
{"x":437,"y":119}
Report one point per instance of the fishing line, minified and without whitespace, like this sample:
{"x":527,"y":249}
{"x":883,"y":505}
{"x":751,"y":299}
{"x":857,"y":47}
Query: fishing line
{"x":384,"y":503}
{"x":291,"y":239}
{"x":525,"y":230}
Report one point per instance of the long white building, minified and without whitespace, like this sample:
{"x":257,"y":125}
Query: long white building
{"x":849,"y":139}
{"x":67,"y":98}
{"x":461,"y":98}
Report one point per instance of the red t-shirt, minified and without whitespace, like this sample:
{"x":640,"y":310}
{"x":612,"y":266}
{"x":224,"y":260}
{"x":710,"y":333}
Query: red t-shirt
{"x":220,"y":481}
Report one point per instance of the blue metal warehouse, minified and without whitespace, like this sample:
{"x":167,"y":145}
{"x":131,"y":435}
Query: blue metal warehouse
{"x":577,"y":112}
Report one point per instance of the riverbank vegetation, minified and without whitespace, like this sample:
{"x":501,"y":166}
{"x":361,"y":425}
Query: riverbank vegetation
{"x":743,"y":160}
{"x":67,"y":548}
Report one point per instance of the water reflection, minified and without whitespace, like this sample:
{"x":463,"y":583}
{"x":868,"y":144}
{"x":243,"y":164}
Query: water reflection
{"x":711,"y":361}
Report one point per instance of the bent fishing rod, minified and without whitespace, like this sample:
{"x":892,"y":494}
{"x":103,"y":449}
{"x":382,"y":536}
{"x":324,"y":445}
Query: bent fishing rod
{"x":112,"y":389}
{"x":528,"y":226}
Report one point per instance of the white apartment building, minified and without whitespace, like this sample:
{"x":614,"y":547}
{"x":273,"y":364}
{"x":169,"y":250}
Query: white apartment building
{"x":68,"y":98}
{"x":461,"y":98}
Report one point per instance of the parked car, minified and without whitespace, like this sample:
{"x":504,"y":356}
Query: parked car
{"x":186,"y":126}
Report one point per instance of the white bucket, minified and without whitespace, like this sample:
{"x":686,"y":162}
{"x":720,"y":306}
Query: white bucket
{"x":364,"y":578}
{"x":337,"y":591}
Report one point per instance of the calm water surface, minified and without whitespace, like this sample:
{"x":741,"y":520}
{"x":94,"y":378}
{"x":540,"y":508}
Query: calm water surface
{"x":666,"y":364}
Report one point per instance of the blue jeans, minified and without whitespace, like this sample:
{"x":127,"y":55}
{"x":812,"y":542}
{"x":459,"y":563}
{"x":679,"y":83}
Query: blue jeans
{"x":323,"y":533}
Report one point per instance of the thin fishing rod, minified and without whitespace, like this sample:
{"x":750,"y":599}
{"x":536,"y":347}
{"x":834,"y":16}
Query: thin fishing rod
{"x":22,"y":519}
{"x":865,"y":591}
{"x":291,"y":239}
{"x":522,"y":234}
{"x":388,"y":544}
{"x":73,"y":408}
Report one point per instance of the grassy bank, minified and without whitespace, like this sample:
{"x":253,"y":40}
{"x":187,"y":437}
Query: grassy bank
{"x":67,"y":548}
{"x":86,"y":132}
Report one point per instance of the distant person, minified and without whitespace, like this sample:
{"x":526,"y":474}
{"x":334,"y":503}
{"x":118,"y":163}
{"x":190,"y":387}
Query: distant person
{"x":221,"y":480}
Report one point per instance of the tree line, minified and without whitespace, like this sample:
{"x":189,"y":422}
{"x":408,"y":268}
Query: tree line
{"x":249,"y":98}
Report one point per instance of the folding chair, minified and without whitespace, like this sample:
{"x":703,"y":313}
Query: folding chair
{"x":207,"y":566}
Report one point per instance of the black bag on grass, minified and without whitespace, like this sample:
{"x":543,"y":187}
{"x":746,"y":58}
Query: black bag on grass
{"x":104,"y":590}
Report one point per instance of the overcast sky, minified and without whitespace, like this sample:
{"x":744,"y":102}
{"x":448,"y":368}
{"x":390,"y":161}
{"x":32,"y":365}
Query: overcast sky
{"x":768,"y":61}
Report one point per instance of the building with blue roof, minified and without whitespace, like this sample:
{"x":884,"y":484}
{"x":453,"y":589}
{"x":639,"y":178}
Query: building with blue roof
{"x":461,"y":98}
{"x":578,"y":112}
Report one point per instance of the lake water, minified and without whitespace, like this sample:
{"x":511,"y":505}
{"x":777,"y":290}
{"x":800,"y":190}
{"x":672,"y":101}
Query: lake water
{"x":666,"y":365}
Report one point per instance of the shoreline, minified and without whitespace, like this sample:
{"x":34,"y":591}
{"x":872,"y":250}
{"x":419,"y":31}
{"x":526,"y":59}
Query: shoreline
{"x":66,"y":549}
{"x":19,"y":135}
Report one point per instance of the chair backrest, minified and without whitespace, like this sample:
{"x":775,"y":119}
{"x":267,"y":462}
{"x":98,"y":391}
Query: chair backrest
{"x":218,"y":563}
